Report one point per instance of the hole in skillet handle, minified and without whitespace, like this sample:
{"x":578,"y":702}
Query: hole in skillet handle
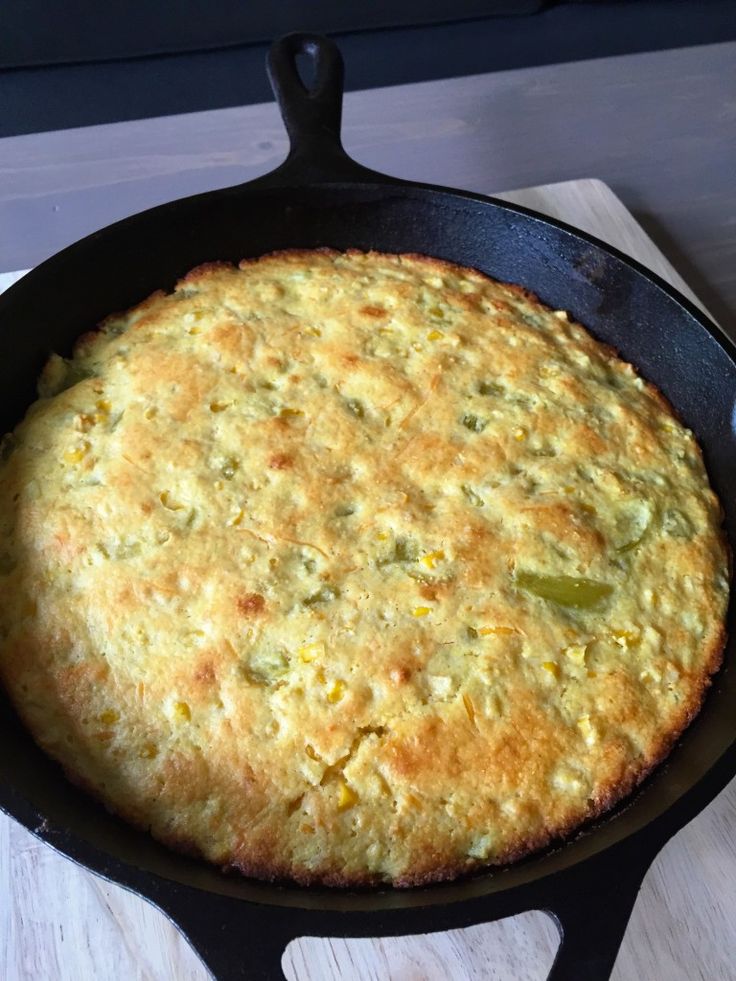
{"x":312,"y":112}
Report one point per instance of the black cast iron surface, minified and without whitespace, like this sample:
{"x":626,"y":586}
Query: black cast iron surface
{"x":319,"y":197}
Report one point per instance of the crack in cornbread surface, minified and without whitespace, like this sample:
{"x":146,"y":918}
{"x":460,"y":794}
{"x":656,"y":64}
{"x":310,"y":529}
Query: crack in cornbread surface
{"x":354,"y":568}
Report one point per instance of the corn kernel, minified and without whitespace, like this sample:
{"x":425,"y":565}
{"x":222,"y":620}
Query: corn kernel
{"x":435,"y":335}
{"x":382,"y":536}
{"x":625,"y":638}
{"x":103,"y":406}
{"x":433,"y":558}
{"x":312,"y":753}
{"x":346,"y":797}
{"x":109,"y":717}
{"x":503,"y":631}
{"x":577,"y":652}
{"x":520,"y":434}
{"x":553,"y":668}
{"x":336,"y":692}
{"x":148,"y":751}
{"x":182,"y":711}
{"x":219,"y":406}
{"x":150,"y":412}
{"x":421,"y":611}
{"x":236,"y":518}
{"x":169,"y":503}
{"x":587,"y":730}
{"x":313,"y":331}
{"x":469,"y":708}
{"x":310,"y":652}
{"x":291,"y":412}
{"x":77,"y":454}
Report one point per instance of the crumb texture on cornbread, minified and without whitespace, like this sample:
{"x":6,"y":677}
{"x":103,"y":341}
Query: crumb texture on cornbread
{"x":355,"y":568}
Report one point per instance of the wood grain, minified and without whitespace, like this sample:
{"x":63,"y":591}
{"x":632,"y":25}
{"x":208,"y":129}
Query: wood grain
{"x":60,"y":923}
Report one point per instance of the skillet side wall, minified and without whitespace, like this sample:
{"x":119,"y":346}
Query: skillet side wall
{"x":118,"y":267}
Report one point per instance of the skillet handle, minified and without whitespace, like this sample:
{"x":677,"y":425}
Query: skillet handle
{"x":234,"y":940}
{"x":312,"y":114}
{"x":592,"y":916}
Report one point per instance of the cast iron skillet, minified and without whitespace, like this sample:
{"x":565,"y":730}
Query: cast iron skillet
{"x":319,"y":196}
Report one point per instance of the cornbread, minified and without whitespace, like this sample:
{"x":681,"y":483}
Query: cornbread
{"x":355,"y":568}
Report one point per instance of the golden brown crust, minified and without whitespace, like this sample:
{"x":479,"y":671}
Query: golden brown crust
{"x":352,"y":568}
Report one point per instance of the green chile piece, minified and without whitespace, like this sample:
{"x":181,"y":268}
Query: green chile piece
{"x":323,"y":595}
{"x":676,"y":524}
{"x":583,"y":594}
{"x":630,"y":546}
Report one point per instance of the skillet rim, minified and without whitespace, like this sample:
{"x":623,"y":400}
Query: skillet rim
{"x":263,"y":184}
{"x":269,"y":185}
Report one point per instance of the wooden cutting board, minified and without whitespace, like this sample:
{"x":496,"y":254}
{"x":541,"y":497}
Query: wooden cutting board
{"x":60,"y":923}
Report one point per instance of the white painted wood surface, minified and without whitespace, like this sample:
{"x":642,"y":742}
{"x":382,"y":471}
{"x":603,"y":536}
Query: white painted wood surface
{"x":60,"y":923}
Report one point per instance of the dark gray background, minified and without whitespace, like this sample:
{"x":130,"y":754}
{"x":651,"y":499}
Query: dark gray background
{"x":80,"y":62}
{"x":659,"y":128}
